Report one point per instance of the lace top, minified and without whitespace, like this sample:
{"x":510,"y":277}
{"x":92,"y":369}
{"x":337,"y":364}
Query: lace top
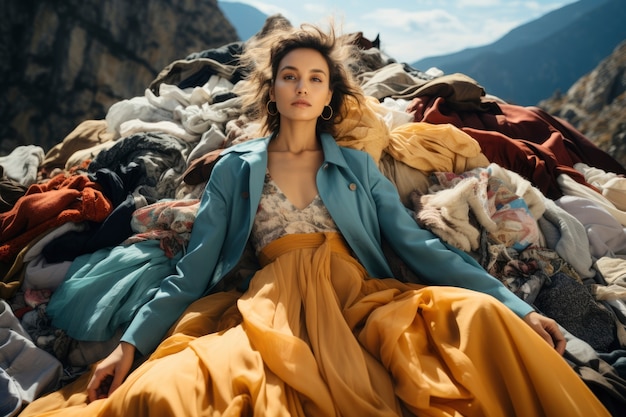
{"x":277,"y":216}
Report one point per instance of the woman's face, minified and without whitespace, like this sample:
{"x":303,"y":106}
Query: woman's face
{"x":302,"y":85}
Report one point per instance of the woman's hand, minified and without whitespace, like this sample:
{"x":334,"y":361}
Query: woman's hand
{"x":548,"y":329}
{"x":110,"y":373}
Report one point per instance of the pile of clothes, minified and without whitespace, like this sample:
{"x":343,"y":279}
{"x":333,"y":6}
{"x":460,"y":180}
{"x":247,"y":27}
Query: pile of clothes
{"x":90,"y":228}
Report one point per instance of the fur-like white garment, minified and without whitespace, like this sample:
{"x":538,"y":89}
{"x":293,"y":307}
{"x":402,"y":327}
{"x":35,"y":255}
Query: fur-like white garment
{"x":447,"y":213}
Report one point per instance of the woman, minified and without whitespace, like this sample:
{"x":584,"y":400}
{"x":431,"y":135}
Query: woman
{"x":321,"y":330}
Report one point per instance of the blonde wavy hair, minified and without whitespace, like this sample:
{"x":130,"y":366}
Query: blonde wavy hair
{"x":262,"y":56}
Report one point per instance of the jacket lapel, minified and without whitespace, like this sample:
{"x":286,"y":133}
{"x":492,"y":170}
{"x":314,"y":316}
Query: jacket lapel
{"x":256,"y":158}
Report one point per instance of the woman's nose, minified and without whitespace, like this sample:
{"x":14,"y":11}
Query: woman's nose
{"x":301,"y":88}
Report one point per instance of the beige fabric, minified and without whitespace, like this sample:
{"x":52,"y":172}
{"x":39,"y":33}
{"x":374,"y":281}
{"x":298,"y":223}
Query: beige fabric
{"x":406,"y":179}
{"x":423,"y":146}
{"x":613,"y":270}
{"x":612,"y":185}
{"x":88,"y":134}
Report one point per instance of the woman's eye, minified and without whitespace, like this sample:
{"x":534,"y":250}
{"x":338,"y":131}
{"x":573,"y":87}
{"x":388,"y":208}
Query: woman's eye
{"x":289,"y":77}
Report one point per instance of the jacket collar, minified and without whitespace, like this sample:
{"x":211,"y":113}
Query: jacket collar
{"x":332,"y":151}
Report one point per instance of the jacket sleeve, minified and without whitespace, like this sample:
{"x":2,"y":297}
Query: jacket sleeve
{"x":426,"y":255}
{"x":193,"y":271}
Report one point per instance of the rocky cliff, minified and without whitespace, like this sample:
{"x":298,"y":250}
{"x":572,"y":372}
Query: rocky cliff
{"x":65,"y":61}
{"x":596,"y":104}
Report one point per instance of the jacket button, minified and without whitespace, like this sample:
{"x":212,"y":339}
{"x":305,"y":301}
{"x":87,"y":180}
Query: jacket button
{"x":245,"y":194}
{"x":352,"y":186}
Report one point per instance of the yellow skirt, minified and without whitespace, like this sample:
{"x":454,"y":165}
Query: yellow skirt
{"x":314,"y":336}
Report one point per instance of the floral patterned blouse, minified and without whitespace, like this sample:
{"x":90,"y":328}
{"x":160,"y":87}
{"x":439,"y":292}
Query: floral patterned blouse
{"x":277,"y":216}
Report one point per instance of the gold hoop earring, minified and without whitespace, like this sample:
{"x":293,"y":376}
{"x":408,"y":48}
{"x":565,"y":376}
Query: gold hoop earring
{"x":267,"y":107}
{"x":330,"y":115}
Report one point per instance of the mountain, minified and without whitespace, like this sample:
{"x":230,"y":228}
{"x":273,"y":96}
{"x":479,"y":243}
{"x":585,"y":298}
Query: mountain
{"x":546,"y":55}
{"x":596,"y":104}
{"x":246,"y":19}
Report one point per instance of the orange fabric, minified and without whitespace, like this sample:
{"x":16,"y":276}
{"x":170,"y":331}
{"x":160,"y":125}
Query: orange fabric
{"x":73,"y":198}
{"x":314,"y":336}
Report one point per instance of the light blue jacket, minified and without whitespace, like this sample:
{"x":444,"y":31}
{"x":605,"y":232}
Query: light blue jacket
{"x":364,"y":204}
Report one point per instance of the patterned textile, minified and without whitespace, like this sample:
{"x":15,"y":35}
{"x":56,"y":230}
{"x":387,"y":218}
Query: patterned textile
{"x":169,"y":221}
{"x":277,"y":217}
{"x":516,"y":227}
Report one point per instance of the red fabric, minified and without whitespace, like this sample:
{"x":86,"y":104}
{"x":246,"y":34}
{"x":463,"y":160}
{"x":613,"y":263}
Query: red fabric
{"x":47,"y":205}
{"x":525,"y":140}
{"x":199,"y":170}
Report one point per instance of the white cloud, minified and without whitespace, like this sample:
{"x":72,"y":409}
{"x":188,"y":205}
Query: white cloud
{"x":270,"y":9}
{"x":408,"y":36}
{"x":478,"y":3}
{"x":413,"y":22}
{"x":413,"y":29}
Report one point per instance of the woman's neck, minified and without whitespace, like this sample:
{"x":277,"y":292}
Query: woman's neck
{"x":295,"y":139}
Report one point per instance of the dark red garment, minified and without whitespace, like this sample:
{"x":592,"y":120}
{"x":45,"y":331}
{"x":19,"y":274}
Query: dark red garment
{"x":526,"y":140}
{"x":199,"y":170}
{"x":47,"y":205}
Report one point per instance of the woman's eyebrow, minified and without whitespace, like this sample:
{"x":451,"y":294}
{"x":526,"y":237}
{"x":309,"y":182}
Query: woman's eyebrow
{"x":290,"y":67}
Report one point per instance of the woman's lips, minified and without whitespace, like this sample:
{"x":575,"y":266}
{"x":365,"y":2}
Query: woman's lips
{"x":301,"y":103}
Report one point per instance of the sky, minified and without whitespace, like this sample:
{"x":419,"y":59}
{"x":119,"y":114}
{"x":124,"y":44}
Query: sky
{"x":414,"y":29}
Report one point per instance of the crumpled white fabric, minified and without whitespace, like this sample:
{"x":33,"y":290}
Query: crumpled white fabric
{"x":612,"y":185}
{"x":567,"y":236}
{"x":607,"y":237}
{"x":573,"y":188}
{"x":199,"y":118}
{"x":185,"y":113}
{"x":446,"y":213}
{"x":22,"y":164}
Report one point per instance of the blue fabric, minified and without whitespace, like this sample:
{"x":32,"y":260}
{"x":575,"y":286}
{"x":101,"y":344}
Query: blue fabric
{"x":104,"y":290}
